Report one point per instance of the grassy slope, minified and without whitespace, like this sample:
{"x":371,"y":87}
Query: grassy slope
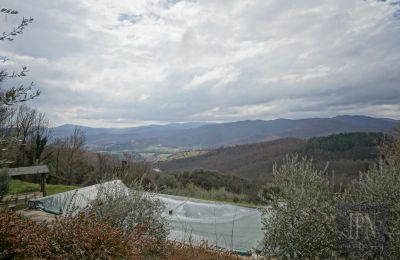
{"x":18,"y":186}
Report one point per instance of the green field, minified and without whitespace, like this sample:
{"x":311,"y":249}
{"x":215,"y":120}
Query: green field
{"x":18,"y":186}
{"x":185,"y":154}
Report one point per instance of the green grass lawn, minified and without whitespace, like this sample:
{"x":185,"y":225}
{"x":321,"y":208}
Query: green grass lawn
{"x":18,"y":186}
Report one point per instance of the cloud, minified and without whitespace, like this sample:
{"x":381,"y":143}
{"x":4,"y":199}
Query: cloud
{"x":122,"y":63}
{"x":219,"y":76}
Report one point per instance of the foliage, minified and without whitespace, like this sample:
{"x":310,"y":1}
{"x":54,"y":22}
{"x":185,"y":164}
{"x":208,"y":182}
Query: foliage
{"x":381,"y":186}
{"x":18,"y":30}
{"x":130,"y":208}
{"x":212,"y":179}
{"x":13,"y":94}
{"x":4,"y":183}
{"x":72,"y":238}
{"x":20,"y":93}
{"x":204,"y":184}
{"x":299,"y":223}
{"x":390,"y":149}
{"x":220,"y":194}
{"x":247,"y":161}
{"x":345,"y":141}
{"x":178,"y":251}
{"x":87,"y":237}
{"x":21,"y":238}
{"x":252,"y":164}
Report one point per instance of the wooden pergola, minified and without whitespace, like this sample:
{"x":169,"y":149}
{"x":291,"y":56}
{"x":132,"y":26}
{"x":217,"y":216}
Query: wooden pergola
{"x":41,"y":170}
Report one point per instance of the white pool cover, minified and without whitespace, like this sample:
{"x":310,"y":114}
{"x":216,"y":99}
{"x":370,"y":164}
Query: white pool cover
{"x":223,"y":225}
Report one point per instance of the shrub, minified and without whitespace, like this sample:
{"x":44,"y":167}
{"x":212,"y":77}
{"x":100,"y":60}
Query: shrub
{"x":5,"y":180}
{"x":179,"y":251}
{"x":22,"y":239}
{"x":131,"y":209}
{"x":381,"y":186}
{"x":86,"y":237}
{"x":78,"y":237}
{"x":299,"y":223}
{"x":220,"y":194}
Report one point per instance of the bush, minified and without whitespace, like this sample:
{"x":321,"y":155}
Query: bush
{"x":22,"y":239}
{"x":381,"y":186}
{"x":5,"y":180}
{"x":220,"y":194}
{"x":131,"y":209}
{"x":78,"y":237}
{"x":179,"y":251}
{"x":298,"y":223}
{"x":86,"y":237}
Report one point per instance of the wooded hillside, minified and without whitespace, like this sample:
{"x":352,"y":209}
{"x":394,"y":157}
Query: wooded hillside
{"x":347,"y":155}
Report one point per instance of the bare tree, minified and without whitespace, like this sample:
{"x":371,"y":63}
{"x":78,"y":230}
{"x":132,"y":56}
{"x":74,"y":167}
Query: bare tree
{"x":24,"y":126}
{"x":25,"y":133}
{"x":69,"y":160}
{"x":391,"y":148}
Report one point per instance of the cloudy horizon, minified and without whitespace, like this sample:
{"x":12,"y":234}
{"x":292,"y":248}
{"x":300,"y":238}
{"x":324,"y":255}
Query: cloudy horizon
{"x":127,"y":63}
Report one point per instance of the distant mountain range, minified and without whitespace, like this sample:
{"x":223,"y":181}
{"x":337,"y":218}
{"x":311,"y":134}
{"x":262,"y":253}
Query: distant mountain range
{"x":212,"y":135}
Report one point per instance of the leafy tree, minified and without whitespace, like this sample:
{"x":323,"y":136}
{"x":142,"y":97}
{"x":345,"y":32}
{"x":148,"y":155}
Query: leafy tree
{"x":381,"y":186}
{"x":298,"y":222}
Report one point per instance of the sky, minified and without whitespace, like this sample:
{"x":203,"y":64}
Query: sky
{"x":122,"y":63}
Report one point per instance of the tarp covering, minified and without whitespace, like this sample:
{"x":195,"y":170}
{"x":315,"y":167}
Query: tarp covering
{"x":223,"y":225}
{"x":75,"y":199}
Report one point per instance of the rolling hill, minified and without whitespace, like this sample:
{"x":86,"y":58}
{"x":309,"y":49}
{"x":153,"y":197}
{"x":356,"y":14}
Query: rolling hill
{"x":213,"y":135}
{"x":251,"y":161}
{"x":347,"y":155}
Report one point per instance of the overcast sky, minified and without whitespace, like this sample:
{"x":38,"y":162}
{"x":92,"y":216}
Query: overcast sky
{"x":124,"y":63}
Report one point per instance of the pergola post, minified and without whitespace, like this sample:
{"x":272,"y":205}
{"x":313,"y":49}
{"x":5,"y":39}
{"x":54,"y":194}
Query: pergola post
{"x":43,"y":184}
{"x":41,"y":170}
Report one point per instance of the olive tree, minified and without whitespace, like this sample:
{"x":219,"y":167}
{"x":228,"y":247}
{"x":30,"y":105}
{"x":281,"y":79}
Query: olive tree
{"x":21,"y":92}
{"x":380,"y":185}
{"x":131,"y":208}
{"x":299,"y":222}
